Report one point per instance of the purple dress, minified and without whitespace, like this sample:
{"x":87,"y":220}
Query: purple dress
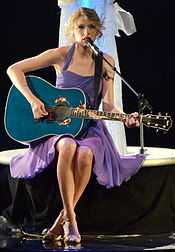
{"x":110,"y":168}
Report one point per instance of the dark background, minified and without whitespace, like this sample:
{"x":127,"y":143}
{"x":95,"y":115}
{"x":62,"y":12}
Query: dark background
{"x":146,"y":58}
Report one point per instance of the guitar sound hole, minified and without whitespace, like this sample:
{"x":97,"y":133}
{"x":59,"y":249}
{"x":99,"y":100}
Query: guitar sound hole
{"x":62,"y":112}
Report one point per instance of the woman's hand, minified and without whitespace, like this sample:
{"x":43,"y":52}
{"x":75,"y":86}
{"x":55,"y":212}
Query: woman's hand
{"x":38,"y":109}
{"x":132,"y":120}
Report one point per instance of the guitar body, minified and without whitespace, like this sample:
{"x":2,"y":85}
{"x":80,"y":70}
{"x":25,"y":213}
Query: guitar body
{"x":65,"y":113}
{"x":19,"y":121}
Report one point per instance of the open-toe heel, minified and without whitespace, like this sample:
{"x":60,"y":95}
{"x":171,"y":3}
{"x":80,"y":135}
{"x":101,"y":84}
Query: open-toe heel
{"x":70,"y":235}
{"x":51,"y":237}
{"x":56,"y":232}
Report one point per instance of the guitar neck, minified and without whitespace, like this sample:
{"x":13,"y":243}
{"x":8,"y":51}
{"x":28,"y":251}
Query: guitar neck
{"x":97,"y":115}
{"x":61,"y":113}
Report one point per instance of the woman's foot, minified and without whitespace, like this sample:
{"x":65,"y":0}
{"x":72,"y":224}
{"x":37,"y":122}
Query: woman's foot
{"x":51,"y":237}
{"x":71,"y":233}
{"x":56,"y":232}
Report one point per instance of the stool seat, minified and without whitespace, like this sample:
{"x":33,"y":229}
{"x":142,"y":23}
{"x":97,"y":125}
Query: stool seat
{"x":6,"y":156}
{"x":155,"y":156}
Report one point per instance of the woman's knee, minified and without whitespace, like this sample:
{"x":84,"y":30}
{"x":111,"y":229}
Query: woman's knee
{"x":66,"y":145}
{"x":84,"y":156}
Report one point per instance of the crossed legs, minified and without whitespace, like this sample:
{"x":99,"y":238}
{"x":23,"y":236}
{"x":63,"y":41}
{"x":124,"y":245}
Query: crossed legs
{"x":73,"y":173}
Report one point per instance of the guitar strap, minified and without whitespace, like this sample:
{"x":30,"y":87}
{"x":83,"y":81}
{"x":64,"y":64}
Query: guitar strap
{"x":97,"y":80}
{"x":97,"y":95}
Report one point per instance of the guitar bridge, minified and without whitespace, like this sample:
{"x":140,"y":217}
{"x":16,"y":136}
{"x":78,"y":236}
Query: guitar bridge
{"x":65,"y":122}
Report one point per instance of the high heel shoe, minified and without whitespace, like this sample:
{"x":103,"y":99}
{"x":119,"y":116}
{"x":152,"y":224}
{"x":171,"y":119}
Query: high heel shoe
{"x":51,"y":237}
{"x":56,"y":232}
{"x":71,"y":235}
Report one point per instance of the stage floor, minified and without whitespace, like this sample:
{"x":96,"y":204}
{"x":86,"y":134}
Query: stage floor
{"x":101,"y":243}
{"x":155,"y":156}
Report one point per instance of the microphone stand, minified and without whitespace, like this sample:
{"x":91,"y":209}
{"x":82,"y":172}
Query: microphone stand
{"x":142,"y":102}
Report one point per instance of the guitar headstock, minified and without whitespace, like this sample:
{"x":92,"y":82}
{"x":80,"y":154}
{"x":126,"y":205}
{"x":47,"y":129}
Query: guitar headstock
{"x":157,"y":121}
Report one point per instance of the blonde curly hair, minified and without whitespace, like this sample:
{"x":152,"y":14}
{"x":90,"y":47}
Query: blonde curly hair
{"x":82,"y":12}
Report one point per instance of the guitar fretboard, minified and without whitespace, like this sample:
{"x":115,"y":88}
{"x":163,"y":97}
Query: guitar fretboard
{"x":97,"y":115}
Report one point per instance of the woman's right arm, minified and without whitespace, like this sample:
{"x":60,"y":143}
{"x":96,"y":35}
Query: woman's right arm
{"x":17,"y":71}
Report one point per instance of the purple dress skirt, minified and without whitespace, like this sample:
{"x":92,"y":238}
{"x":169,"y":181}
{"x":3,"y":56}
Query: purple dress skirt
{"x":110,"y":168}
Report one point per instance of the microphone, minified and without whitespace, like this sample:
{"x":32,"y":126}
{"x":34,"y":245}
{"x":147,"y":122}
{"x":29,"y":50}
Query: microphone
{"x":89,"y":42}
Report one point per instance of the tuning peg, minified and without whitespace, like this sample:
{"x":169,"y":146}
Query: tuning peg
{"x":158,"y":115}
{"x":157,"y":130}
{"x":166,"y":114}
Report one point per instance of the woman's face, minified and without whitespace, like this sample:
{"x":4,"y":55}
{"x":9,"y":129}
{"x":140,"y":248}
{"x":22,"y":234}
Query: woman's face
{"x":85,"y":28}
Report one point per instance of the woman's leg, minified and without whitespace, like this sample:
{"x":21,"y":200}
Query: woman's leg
{"x":65,"y":174}
{"x":67,"y":149}
{"x":82,"y":171}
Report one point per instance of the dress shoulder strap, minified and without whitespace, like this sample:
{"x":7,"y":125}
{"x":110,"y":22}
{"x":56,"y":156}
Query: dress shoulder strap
{"x":68,"y":57}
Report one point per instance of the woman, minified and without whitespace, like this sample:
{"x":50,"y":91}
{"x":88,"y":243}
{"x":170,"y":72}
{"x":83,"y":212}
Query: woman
{"x":114,"y":18}
{"x":94,"y":149}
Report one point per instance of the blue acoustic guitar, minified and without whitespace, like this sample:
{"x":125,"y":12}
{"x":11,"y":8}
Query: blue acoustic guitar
{"x":67,"y":113}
